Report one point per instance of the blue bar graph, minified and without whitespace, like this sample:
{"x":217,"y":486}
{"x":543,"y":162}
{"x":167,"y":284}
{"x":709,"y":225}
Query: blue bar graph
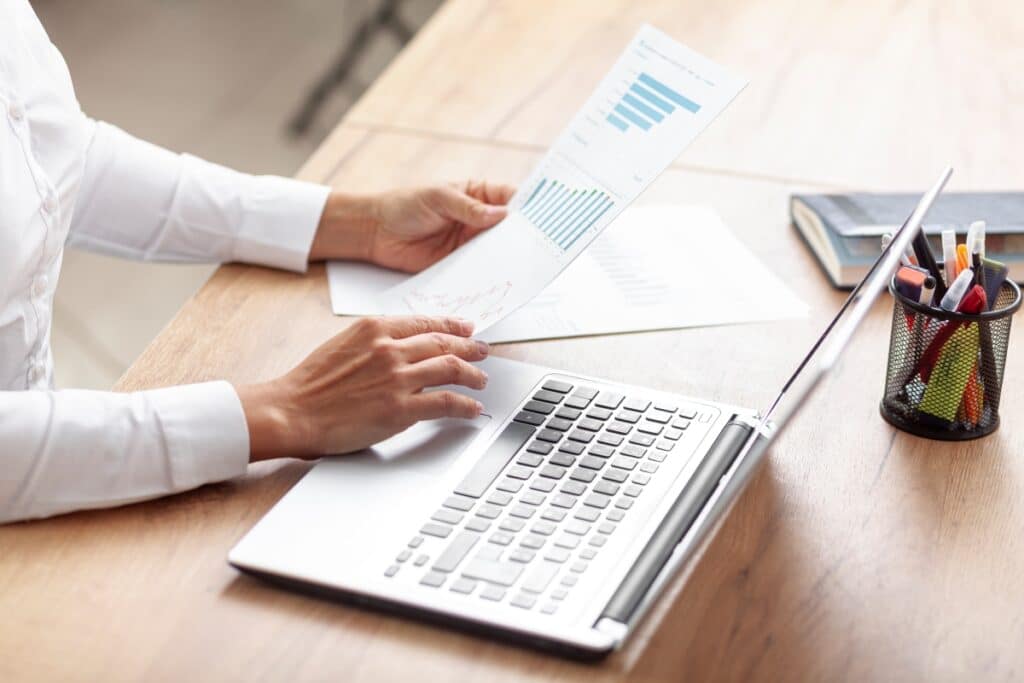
{"x":648,"y":102}
{"x":563,"y":213}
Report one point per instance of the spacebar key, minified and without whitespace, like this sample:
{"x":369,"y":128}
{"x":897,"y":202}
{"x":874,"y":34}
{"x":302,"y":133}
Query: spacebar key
{"x":494,"y":459}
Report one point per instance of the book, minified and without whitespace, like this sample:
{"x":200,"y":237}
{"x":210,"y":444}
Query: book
{"x":844,"y":230}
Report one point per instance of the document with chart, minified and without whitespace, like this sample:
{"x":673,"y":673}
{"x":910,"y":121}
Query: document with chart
{"x":656,"y":99}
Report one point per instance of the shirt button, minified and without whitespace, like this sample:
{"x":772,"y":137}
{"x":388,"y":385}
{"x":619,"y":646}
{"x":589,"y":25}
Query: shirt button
{"x":16,"y":111}
{"x":39,"y":286}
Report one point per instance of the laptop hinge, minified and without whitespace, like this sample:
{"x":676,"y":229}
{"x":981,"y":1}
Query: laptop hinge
{"x":661,"y":557}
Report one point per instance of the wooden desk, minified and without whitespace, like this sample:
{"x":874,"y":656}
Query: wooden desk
{"x":859,"y":553}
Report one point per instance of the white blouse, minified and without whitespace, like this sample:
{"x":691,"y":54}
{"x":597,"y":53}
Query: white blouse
{"x":65,"y":178}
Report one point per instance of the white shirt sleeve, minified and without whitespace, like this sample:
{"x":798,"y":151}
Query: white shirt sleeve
{"x":143,"y":202}
{"x":72,"y":449}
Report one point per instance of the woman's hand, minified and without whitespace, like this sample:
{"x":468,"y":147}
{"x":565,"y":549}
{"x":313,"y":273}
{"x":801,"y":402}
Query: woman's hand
{"x":365,"y":385}
{"x":410,"y":229}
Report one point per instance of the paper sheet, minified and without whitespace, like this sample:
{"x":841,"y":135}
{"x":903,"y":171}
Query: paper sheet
{"x":648,"y":271}
{"x":656,"y":99}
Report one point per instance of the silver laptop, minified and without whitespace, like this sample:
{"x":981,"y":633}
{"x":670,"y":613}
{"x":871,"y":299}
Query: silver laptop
{"x":555,"y":520}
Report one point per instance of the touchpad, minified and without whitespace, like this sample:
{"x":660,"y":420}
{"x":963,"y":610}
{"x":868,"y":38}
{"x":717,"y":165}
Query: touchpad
{"x":427,"y":448}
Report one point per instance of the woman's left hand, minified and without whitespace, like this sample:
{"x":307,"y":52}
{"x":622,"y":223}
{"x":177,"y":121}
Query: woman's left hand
{"x":409,"y":229}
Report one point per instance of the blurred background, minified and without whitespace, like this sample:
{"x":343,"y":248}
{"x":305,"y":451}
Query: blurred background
{"x":251,"y":84}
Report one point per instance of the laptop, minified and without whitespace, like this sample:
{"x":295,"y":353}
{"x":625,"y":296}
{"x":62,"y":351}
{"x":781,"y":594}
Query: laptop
{"x":555,"y":520}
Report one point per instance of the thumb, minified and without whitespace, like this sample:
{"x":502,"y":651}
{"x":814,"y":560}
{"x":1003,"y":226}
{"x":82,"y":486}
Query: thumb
{"x":465,"y":209}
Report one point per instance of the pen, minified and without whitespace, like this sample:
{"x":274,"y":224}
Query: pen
{"x":949,"y":255}
{"x":926,"y":260}
{"x":979,"y":272}
{"x":951,"y":299}
{"x":927,"y":291}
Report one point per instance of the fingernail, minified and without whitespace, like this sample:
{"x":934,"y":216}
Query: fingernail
{"x":479,"y":407}
{"x":486,"y":379}
{"x":483,"y":347}
{"x":495,"y":210}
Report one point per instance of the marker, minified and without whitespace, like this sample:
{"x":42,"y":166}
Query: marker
{"x":995,"y":275}
{"x":979,"y":272}
{"x":976,"y":237}
{"x":927,"y":261}
{"x":949,"y":255}
{"x":963,"y":258}
{"x":951,"y":299}
{"x":927,"y":291}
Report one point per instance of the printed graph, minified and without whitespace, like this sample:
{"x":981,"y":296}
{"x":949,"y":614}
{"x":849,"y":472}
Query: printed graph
{"x":564,"y":213}
{"x":647,"y":102}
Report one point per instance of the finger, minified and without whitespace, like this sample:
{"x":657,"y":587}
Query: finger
{"x":424,"y":346}
{"x":490,"y":193}
{"x":437,"y":404}
{"x":400,"y":327}
{"x":463,"y":208}
{"x":441,"y":370}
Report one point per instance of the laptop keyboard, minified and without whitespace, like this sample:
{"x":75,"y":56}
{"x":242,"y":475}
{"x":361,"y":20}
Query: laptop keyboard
{"x":542,"y":501}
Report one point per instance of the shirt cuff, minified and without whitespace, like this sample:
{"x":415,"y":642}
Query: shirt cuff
{"x":205,"y":431}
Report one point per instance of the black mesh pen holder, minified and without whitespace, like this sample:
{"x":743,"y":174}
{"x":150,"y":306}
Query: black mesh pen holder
{"x":945,"y":371}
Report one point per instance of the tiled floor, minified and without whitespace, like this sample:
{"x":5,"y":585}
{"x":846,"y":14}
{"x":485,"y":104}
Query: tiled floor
{"x":216,"y":78}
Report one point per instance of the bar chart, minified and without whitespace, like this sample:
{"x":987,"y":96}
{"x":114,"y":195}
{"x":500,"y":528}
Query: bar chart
{"x":646,"y":103}
{"x":562,"y":212}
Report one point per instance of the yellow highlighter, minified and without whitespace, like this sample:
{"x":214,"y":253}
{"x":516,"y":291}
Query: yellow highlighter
{"x":963,"y":258}
{"x":949,"y":378}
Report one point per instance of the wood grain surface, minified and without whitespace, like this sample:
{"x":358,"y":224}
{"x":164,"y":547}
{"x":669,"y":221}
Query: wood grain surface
{"x":859,"y":553}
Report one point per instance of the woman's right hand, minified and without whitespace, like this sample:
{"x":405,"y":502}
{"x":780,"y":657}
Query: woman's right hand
{"x":365,"y":385}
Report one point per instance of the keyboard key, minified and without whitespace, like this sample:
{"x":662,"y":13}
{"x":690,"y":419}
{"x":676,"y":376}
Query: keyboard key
{"x":494,"y":459}
{"x":577,"y":402}
{"x":597,"y":500}
{"x":605,"y":528}
{"x":539,"y":447}
{"x":566,"y":541}
{"x":500,"y":538}
{"x":615,"y":474}
{"x":624,"y":503}
{"x":433,"y":529}
{"x":615,"y":515}
{"x":464,"y":586}
{"x":511,"y":524}
{"x":459,"y":503}
{"x":597,"y":541}
{"x":556,"y":385}
{"x":642,"y":440}
{"x":447,"y":516}
{"x":606,"y":487}
{"x":587,"y":514}
{"x":569,"y":580}
{"x":499,"y":498}
{"x":664,"y":445}
{"x":488,"y":511}
{"x":586,"y":392}
{"x":590,"y":425}
{"x":538,"y":579}
{"x":524,"y":601}
{"x":519,"y":472}
{"x":581,"y":436}
{"x":432,"y":579}
{"x":608,"y":399}
{"x":573,"y":488}
{"x":589,"y":553}
{"x":680,"y":424}
{"x":493,"y":593}
{"x":571,"y":447}
{"x":609,"y":439}
{"x":532,"y":419}
{"x":624,"y":463}
{"x":584,"y":475}
{"x":559,"y":555}
{"x":601,"y":450}
{"x":666,"y":407}
{"x":539,"y":407}
{"x":521,"y":556}
{"x":416,"y":542}
{"x":510,"y":485}
{"x":673,"y":434}
{"x":532,"y":498}
{"x":641,"y":478}
{"x":403,"y":556}
{"x":543,"y":528}
{"x":650,"y":428}
{"x":550,"y":435}
{"x":548,"y":396}
{"x":533,"y":541}
{"x":574,"y":526}
{"x":549,"y":608}
{"x":632,"y":491}
{"x":542,"y":485}
{"x":563,"y":501}
{"x":456,"y":551}
{"x":567,"y":413}
{"x":391,"y":571}
{"x":421,"y":560}
{"x":648,"y":467}
{"x":578,"y":567}
{"x":626,"y":416}
{"x":501,"y":573}
{"x":688,"y":413}
{"x":637,"y":404}
{"x":618,"y":427}
{"x":659,"y":418}
{"x":562,"y":460}
{"x":633,"y":451}
{"x":553,"y":514}
{"x":552,"y":472}
{"x":658,"y":456}
{"x":478,"y":524}
{"x":489,"y":552}
{"x":559,"y":594}
{"x":596,"y":413}
{"x":558,"y":424}
{"x":591,"y":463}
{"x":522,"y":511}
